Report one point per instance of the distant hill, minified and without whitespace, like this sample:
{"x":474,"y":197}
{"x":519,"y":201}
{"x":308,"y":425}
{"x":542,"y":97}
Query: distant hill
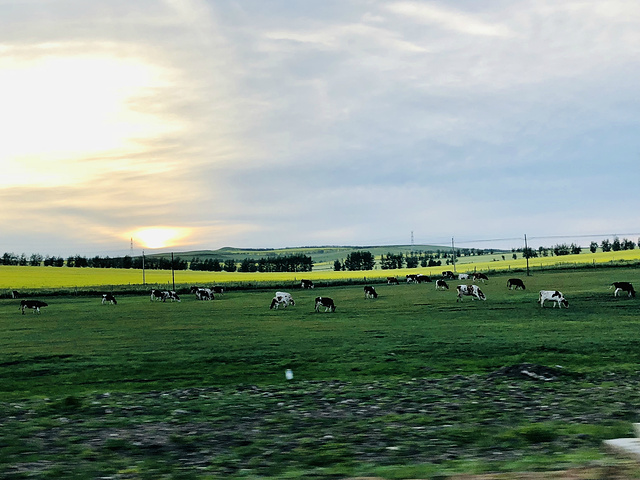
{"x":321,"y":255}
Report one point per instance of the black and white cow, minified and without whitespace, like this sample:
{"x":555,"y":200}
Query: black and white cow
{"x":441,"y":284}
{"x":327,"y":303}
{"x":35,"y":304}
{"x":170,"y":295}
{"x":204,"y":294}
{"x":471,"y":290}
{"x":480,"y":276}
{"x":156,"y":295}
{"x":449,"y":275}
{"x":392,"y":281}
{"x":515,"y":283}
{"x":420,"y":278}
{"x":370,"y":292}
{"x":553,"y":296}
{"x":623,"y":287}
{"x":463,"y":276}
{"x":306,"y":283}
{"x":14,"y":294}
{"x":108,"y":297}
{"x":411,"y":278}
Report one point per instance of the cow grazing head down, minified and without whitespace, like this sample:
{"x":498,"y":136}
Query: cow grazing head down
{"x":108,"y":297}
{"x":515,"y":283}
{"x":623,"y":287}
{"x":370,"y":292}
{"x":282,"y":298}
{"x":553,"y":296}
{"x":480,"y":276}
{"x":441,"y":284}
{"x":306,"y":284}
{"x":471,"y":290}
{"x":325,"y":302}
{"x":35,"y":304}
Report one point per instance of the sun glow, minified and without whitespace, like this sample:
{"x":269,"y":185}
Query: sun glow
{"x":160,"y":237}
{"x":60,"y":111}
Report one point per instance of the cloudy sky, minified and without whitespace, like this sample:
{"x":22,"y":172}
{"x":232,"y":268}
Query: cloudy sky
{"x":188,"y":124}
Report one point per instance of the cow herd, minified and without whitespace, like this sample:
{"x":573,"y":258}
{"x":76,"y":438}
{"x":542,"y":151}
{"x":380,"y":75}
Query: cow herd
{"x":285,"y":299}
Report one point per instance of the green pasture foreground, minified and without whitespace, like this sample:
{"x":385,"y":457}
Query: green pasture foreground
{"x":78,"y":344}
{"x":398,"y":386}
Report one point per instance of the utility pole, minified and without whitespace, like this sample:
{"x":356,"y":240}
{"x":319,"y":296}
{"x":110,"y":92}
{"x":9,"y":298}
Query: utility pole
{"x":173,"y":276}
{"x":526,"y":253}
{"x":453,"y":255}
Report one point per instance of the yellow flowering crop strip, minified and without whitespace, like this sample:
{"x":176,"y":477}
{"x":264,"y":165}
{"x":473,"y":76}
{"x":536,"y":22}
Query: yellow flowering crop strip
{"x":13,"y":277}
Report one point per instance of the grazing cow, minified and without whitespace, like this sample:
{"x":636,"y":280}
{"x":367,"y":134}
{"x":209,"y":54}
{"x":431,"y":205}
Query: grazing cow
{"x":472,"y":290}
{"x":515,"y":283}
{"x":204,"y":294}
{"x":553,"y":296}
{"x":282,"y":298}
{"x":217,"y":289}
{"x":370,"y":292}
{"x":480,"y":276}
{"x":411,"y":278}
{"x":420,"y":278}
{"x":156,"y":295}
{"x":623,"y":287}
{"x":171,"y":295}
{"x":392,"y":281}
{"x":35,"y":304}
{"x":14,"y":294}
{"x":463,"y":276}
{"x":325,"y":302}
{"x":306,"y":283}
{"x":441,"y":284}
{"x":449,"y":275}
{"x":108,"y":297}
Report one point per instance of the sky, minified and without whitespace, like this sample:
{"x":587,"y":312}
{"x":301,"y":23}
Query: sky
{"x":180,"y":125}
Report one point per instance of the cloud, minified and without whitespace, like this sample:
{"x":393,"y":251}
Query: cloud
{"x":430,"y":13}
{"x":292,"y":124}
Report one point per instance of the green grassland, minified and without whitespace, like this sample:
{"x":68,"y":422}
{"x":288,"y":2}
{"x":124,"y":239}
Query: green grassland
{"x":397,"y":386}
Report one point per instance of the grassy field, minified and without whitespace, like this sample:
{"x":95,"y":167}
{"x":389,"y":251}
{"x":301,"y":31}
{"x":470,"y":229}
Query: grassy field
{"x":399,"y":386}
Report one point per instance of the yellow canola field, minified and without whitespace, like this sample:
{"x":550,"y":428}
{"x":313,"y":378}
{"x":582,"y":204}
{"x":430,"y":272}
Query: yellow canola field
{"x":12,"y":277}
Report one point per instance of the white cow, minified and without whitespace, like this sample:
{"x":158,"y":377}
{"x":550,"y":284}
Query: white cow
{"x":282,"y":298}
{"x":553,"y":296}
{"x":463,"y":276}
{"x":472,"y":290}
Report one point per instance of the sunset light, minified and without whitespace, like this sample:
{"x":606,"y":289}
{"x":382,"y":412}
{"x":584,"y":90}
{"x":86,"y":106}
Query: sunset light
{"x":160,"y":237}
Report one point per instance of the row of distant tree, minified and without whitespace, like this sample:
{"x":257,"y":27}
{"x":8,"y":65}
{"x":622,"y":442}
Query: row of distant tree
{"x":286,"y":263}
{"x":290,"y":263}
{"x":364,"y":260}
{"x":563,"y":249}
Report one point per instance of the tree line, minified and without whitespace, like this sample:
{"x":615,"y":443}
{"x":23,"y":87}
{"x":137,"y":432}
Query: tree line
{"x":365,"y":260}
{"x":563,"y":249}
{"x":291,"y":263}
